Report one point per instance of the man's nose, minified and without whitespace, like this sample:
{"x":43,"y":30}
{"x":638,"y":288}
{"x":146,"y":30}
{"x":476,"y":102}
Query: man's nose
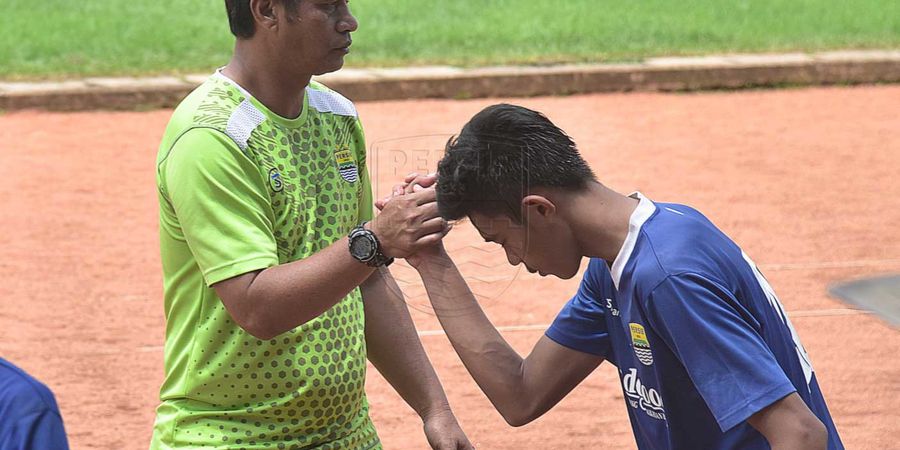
{"x":348,"y":23}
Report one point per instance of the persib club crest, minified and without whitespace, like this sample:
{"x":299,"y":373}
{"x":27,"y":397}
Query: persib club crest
{"x":641,"y":344}
{"x":346,"y":165}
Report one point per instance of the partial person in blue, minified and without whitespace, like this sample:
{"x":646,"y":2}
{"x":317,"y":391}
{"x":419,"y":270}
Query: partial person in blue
{"x":29,"y":417}
{"x":707,"y":357}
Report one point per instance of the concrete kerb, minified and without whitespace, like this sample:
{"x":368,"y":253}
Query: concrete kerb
{"x":654,"y":74}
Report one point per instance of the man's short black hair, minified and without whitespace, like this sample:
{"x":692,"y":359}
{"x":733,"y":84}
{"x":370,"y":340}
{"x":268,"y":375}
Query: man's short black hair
{"x":502,"y":153}
{"x":240,"y":19}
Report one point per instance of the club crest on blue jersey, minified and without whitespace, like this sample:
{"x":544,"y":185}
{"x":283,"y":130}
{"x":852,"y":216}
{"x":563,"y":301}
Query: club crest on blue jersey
{"x":641,"y":344}
{"x":346,"y":165}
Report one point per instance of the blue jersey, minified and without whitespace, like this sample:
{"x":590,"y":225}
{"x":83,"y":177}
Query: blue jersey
{"x":29,"y":417}
{"x":700,"y":340}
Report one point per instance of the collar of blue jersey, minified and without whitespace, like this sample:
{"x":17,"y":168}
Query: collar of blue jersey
{"x":644,"y":210}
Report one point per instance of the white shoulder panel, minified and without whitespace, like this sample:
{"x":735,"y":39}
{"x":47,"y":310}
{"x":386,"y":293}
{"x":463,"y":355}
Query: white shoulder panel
{"x":242,"y":122}
{"x":330,"y":102}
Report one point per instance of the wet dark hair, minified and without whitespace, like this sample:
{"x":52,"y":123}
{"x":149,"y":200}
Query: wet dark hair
{"x":503,"y":152}
{"x":240,"y":18}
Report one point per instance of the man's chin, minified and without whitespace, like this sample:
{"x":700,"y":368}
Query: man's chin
{"x":333,"y":67}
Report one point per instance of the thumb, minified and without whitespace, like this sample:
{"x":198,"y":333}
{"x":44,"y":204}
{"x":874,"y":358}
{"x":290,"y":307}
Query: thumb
{"x":381,"y":202}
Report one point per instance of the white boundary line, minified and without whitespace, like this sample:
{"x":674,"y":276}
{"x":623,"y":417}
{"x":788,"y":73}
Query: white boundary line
{"x":501,"y":329}
{"x":798,"y":313}
{"x":767,"y":267}
{"x":541,"y":327}
{"x":828,"y":312}
{"x":830,"y":264}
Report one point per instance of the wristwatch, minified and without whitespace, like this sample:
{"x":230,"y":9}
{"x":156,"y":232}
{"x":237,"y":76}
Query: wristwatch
{"x":364,"y":246}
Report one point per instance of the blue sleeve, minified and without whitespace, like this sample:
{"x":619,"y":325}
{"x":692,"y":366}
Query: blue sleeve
{"x":29,"y":415}
{"x":717,"y":342}
{"x":40,"y":430}
{"x":581,"y":325}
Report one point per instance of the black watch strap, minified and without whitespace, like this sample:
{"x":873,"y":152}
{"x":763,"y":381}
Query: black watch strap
{"x":378,"y":258}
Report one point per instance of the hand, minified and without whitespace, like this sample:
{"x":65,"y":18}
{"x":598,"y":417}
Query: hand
{"x":409,"y":219}
{"x":443,"y":432}
{"x":413,"y":180}
{"x":415,"y":183}
{"x":411,"y":184}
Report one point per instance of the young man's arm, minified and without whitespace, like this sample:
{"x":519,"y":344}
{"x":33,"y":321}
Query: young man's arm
{"x":789,"y":424}
{"x":394,"y":348}
{"x":521,"y":389}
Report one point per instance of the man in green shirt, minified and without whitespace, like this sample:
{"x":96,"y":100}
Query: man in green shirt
{"x":274,"y":293}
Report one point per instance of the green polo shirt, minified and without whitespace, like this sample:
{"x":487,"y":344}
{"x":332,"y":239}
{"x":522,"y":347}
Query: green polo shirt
{"x":241,"y":189}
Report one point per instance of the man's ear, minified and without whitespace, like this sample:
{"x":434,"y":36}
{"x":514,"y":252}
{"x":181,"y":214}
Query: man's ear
{"x":264,"y":13}
{"x":538,"y":206}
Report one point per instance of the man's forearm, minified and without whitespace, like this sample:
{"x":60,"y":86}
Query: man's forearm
{"x":395,"y":349}
{"x":494,"y":365}
{"x":280,"y":298}
{"x":269,"y":302}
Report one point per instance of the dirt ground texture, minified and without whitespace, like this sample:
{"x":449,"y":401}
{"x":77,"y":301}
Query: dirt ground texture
{"x":807,"y":181}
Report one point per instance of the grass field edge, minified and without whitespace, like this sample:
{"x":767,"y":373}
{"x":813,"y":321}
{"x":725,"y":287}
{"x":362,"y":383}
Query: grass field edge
{"x":656,"y":74}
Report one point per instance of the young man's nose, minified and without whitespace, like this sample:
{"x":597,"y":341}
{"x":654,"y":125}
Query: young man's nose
{"x":513,"y":259}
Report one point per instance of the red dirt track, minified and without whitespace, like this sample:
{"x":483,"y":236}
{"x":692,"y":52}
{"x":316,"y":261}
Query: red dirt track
{"x":807,"y":181}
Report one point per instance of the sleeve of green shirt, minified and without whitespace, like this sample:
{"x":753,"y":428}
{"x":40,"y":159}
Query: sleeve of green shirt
{"x":221,"y":203}
{"x":366,"y":204}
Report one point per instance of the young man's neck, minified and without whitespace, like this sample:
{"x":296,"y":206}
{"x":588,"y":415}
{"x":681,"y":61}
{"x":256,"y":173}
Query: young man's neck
{"x":599,"y":218}
{"x":255,"y":70}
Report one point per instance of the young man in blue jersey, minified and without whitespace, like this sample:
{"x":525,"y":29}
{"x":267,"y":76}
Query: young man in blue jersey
{"x":29,"y":416}
{"x":706,"y":356}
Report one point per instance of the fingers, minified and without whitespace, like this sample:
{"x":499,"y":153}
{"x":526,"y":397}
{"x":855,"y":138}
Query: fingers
{"x":429,"y":240}
{"x":437,"y":235}
{"x":423,"y":196}
{"x":396,"y":191}
{"x":434,"y":225}
{"x":419,"y":182}
{"x":458,"y":443}
{"x":409,"y":218}
{"x":425,"y":202}
{"x":428,"y":211}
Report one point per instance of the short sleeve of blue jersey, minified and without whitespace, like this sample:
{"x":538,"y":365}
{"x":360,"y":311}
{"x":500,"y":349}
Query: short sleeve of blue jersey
{"x":29,"y":416}
{"x":581,"y":325}
{"x":717,"y":342}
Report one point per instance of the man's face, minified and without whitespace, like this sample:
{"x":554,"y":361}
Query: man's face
{"x":317,"y":35}
{"x":544,"y":245}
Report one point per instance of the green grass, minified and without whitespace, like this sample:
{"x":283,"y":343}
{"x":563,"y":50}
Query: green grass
{"x":64,"y":38}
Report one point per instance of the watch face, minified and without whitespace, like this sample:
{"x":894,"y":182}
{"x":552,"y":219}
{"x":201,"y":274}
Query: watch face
{"x":362,"y":248}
